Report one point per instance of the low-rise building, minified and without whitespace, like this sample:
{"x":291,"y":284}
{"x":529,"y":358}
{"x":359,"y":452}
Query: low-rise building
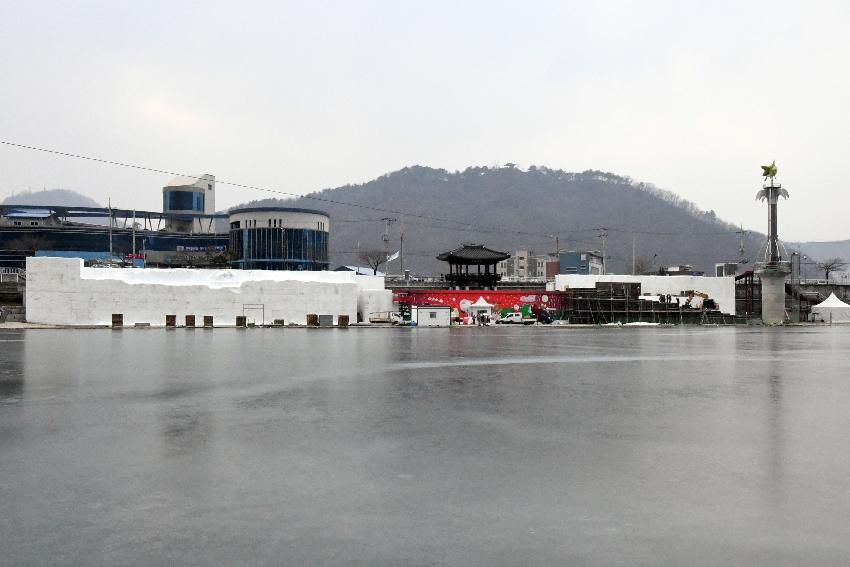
{"x":585,"y":263}
{"x":725,"y":269}
{"x":525,"y":265}
{"x":431,"y":315}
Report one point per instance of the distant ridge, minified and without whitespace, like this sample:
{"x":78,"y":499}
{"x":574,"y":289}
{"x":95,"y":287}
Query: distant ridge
{"x":824,"y":250}
{"x":58,"y":197}
{"x":667,"y":229}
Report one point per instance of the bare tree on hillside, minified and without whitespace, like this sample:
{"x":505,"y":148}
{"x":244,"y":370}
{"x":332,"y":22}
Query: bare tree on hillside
{"x":644,"y":265}
{"x":373,"y":257}
{"x":831,"y":265}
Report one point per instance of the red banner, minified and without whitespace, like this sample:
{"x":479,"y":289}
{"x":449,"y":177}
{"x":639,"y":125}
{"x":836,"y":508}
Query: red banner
{"x":500,"y":299}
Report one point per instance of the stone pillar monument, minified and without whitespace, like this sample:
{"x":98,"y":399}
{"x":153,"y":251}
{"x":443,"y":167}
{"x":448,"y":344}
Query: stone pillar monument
{"x":773,"y":269}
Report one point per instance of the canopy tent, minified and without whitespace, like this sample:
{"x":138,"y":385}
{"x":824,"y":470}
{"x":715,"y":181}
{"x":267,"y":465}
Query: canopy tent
{"x":831,"y":310}
{"x":481,"y":306}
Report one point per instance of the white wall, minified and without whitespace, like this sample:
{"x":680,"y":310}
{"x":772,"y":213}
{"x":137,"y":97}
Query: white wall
{"x":421,"y":315}
{"x":721,"y":290}
{"x":61,"y":291}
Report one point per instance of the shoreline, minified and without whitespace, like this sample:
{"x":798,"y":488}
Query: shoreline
{"x":26,"y":326}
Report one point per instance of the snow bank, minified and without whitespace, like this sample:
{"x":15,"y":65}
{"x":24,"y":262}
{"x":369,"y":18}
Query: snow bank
{"x":61,"y":291}
{"x":215,"y":279}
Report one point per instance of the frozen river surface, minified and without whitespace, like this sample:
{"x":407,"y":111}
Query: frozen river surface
{"x":373,"y":447}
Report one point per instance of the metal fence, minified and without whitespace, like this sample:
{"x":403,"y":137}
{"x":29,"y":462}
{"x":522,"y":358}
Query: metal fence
{"x":15,"y":275}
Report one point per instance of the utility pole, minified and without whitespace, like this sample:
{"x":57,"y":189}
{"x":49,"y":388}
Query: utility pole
{"x":603,"y":235}
{"x":110,"y":229}
{"x":633,"y":254}
{"x":401,"y":247}
{"x":387,"y":222}
{"x":134,"y":234}
{"x":741,"y":250}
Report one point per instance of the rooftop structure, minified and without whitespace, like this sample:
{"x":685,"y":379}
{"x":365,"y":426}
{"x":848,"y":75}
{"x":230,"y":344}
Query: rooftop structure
{"x":190,"y":194}
{"x":477,"y":255}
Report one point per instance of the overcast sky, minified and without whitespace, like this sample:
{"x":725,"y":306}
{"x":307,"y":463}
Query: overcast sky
{"x":691,"y":96}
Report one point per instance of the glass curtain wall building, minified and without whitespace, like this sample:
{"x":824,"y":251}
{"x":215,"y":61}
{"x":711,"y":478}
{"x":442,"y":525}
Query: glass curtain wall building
{"x":183,"y":201}
{"x":279,"y":238}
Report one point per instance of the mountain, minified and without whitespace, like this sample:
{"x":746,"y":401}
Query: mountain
{"x":56,"y":197}
{"x":509,"y":209}
{"x":825,"y":250}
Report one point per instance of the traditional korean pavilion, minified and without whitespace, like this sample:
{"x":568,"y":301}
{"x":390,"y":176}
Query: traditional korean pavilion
{"x":476,"y":256}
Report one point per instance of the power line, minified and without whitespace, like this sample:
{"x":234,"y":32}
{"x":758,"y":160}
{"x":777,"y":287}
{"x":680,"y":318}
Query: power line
{"x":467,"y":226}
{"x":255,"y":187}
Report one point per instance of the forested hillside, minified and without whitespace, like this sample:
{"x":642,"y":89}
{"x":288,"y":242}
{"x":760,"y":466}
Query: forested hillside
{"x":509,"y":209}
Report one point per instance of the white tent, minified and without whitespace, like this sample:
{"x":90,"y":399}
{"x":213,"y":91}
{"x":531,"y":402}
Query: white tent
{"x":831,"y":310}
{"x":479,"y":307}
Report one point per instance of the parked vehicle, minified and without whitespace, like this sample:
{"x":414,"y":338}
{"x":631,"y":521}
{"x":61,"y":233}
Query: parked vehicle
{"x":545,"y":316}
{"x":515,"y":318}
{"x":385,"y":317}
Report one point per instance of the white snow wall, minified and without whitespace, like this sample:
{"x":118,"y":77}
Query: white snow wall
{"x":721,"y":290}
{"x":60,"y":291}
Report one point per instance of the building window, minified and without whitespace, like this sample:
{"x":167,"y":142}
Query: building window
{"x":34,"y":223}
{"x":17,"y":223}
{"x":433,"y":315}
{"x":183,"y":201}
{"x":270,"y":223}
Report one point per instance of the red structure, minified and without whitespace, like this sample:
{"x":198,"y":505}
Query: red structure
{"x":500,"y":299}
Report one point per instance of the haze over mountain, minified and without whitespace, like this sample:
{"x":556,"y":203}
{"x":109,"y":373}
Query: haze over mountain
{"x":838,"y":249}
{"x":510,"y":209}
{"x":56,"y":197}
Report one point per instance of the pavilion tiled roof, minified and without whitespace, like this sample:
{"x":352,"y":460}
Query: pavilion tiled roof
{"x":473,"y":254}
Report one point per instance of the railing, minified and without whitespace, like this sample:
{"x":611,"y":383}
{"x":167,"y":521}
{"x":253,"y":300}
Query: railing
{"x":15,"y":275}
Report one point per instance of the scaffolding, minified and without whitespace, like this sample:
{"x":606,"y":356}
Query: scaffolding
{"x":621,"y":303}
